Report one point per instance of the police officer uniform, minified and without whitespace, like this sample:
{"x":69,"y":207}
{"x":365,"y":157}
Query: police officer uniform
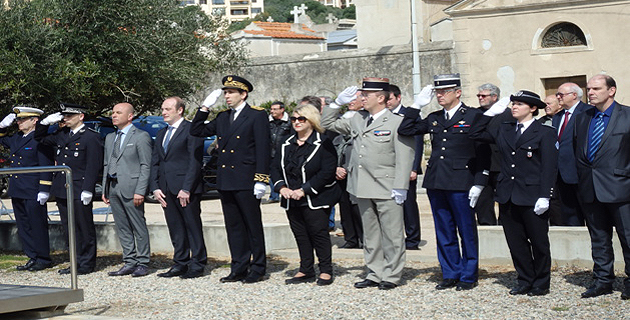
{"x":82,"y":151}
{"x":24,"y":189}
{"x":456,"y":164}
{"x":243,"y":159}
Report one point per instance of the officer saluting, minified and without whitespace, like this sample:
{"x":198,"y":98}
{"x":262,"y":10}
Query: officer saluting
{"x":29,"y":191}
{"x":81,"y":149}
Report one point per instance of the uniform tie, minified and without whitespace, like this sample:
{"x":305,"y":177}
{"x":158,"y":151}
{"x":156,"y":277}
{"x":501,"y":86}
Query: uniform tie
{"x":519,"y":129}
{"x":596,"y":139}
{"x":232,"y":116}
{"x":370,"y":121}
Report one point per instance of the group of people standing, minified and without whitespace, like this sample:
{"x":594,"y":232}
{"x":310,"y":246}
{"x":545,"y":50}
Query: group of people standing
{"x":479,"y":155}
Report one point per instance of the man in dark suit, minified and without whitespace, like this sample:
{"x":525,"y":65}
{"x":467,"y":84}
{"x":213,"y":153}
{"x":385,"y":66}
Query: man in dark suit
{"x":81,"y":149}
{"x":570,"y":99}
{"x":456,"y":174}
{"x":601,"y":139}
{"x":410,"y":207}
{"x":29,"y":191}
{"x":126,"y":169}
{"x":242,"y":174}
{"x":176,"y":184}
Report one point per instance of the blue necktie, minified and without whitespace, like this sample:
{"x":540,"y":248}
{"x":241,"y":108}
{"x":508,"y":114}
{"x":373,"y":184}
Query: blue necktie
{"x":596,"y":139}
{"x":167,"y":139}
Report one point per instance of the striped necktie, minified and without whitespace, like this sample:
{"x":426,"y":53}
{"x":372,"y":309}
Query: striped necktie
{"x":167,"y":139}
{"x":596,"y":138}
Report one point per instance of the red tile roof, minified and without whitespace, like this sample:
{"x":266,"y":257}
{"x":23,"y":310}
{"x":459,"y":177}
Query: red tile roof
{"x":282,"y":30}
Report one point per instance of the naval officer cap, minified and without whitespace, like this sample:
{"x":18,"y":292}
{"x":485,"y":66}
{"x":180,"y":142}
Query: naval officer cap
{"x":375,"y":84}
{"x":70,"y":108}
{"x":236,"y":82}
{"x":445,"y":81}
{"x":25,"y":112}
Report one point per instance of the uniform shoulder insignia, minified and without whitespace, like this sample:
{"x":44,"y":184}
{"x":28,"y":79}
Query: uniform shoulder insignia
{"x":91,"y":129}
{"x":257,"y":108}
{"x":548,"y":125}
{"x":224,"y":110}
{"x":364,"y":112}
{"x":399,"y":114}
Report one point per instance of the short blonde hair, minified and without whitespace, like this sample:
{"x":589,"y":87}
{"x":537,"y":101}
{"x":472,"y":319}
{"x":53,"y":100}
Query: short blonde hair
{"x":311,"y":113}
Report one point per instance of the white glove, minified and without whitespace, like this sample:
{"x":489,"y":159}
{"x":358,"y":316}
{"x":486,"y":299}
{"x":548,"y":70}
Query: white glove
{"x":423,"y":98}
{"x":212,"y":98}
{"x":52,"y":119}
{"x":259,"y":189}
{"x":498,"y":107}
{"x":86,"y":197}
{"x":473,"y":194}
{"x":542,"y":204}
{"x":347,"y":95}
{"x":399,"y":195}
{"x":8,"y":120}
{"x":42,"y":197}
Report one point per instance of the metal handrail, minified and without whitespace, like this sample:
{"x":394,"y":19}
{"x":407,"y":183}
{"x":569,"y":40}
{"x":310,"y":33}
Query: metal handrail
{"x":70,"y":198}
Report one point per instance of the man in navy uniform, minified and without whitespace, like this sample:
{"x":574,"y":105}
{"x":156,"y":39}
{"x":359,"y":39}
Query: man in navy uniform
{"x":456,"y":174}
{"x":29,"y":191}
{"x":242,"y":174}
{"x":81,"y":149}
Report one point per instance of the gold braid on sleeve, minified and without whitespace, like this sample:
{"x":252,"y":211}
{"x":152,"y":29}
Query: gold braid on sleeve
{"x":261,"y":177}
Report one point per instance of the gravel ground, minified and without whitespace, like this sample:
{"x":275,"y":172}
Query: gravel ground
{"x":151,"y":297}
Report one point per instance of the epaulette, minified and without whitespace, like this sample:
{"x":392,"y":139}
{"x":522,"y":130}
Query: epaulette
{"x":224,"y":110}
{"x":91,"y":129}
{"x":257,"y":108}
{"x":548,"y":125}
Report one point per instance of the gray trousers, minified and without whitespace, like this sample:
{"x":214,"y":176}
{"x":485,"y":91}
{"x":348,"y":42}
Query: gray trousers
{"x":384,"y":239}
{"x":131,"y":227}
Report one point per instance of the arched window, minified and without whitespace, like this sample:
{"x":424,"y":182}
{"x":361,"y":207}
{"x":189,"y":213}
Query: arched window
{"x":564,"y":34}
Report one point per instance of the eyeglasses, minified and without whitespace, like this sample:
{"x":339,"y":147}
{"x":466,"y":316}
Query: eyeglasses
{"x":561,"y":95}
{"x":483,"y":96}
{"x":298,"y":119}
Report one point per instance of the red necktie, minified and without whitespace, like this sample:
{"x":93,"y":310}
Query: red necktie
{"x":564,"y":124}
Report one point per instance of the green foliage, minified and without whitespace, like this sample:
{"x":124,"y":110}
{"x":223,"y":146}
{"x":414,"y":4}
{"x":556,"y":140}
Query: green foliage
{"x":280,"y":10}
{"x":98,"y":53}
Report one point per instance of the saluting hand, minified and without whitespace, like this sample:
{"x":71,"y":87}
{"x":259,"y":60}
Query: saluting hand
{"x":8,"y":120}
{"x":347,"y":95}
{"x":498,"y":107}
{"x":211,"y":99}
{"x":52,"y":119}
{"x":423,"y":98}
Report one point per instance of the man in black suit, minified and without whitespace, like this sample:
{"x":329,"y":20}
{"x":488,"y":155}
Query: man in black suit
{"x":81,"y":149}
{"x":570,"y":99}
{"x":242,"y":174}
{"x":601,"y":139}
{"x":410,"y":207}
{"x":176,"y":184}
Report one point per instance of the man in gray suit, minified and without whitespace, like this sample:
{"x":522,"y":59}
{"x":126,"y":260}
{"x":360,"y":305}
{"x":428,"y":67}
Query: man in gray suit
{"x":378,"y":176}
{"x":126,"y":172}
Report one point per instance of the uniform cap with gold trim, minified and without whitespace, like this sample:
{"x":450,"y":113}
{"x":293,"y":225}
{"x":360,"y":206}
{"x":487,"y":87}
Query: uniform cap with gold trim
{"x":23,"y":112}
{"x":236,"y":82}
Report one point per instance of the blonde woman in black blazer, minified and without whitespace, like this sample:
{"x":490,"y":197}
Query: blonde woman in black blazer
{"x":304,"y":171}
{"x":529,"y":165}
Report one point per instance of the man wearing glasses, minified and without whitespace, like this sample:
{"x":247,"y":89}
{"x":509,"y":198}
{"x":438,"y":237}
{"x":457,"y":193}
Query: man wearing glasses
{"x":570,"y":99}
{"x":456,"y":174}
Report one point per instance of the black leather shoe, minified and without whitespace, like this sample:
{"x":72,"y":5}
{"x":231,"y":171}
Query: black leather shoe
{"x":253,"y":278}
{"x":39,"y":266}
{"x":538,"y":292}
{"x":302,"y":279}
{"x":140,"y":271}
{"x":520,"y":289}
{"x":192,"y":274}
{"x":123,"y":271}
{"x":80,"y":271}
{"x":325,"y":282}
{"x":462,"y":286}
{"x":412,"y":248}
{"x":625,"y":295}
{"x":232,"y":278}
{"x":447,"y":283}
{"x":64,"y":271}
{"x":367,"y":283}
{"x":27,"y":265}
{"x":386,"y":285}
{"x":173,"y":272}
{"x":349,"y":245}
{"x":596,"y":291}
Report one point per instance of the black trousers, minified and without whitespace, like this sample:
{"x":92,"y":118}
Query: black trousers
{"x":600,"y":220}
{"x":186,"y":232}
{"x":350,"y":216}
{"x":32,"y":224}
{"x":570,"y":204}
{"x":527,"y":236}
{"x":412,"y":216}
{"x":310,"y":228}
{"x":85,"y":232}
{"x":485,"y":204}
{"x":246,"y":239}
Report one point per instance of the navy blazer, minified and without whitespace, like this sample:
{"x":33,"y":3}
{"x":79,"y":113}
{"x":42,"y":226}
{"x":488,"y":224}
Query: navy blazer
{"x":607,"y":179}
{"x":528,"y":166}
{"x":566,"y":158}
{"x":244,"y":147}
{"x":180,"y":167}
{"x":457,"y":162}
{"x":27,"y":152}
